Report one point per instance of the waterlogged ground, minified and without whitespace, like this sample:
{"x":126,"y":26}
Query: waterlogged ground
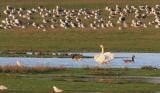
{"x":78,"y":83}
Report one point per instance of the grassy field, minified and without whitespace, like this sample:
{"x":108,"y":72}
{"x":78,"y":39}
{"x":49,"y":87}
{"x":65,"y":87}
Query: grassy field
{"x":78,"y":40}
{"x":79,"y":80}
{"x":75,"y":3}
{"x":84,"y":80}
{"x":82,"y":71}
{"x":72,"y":40}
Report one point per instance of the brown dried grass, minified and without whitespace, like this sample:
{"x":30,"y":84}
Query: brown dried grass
{"x":25,"y":69}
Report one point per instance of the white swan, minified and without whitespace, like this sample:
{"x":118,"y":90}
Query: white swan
{"x":2,"y":87}
{"x":57,"y":90}
{"x":18,"y":63}
{"x":103,"y":58}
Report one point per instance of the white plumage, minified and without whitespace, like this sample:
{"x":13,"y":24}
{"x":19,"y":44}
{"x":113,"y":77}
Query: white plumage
{"x":57,"y":90}
{"x":2,"y":87}
{"x":18,"y":63}
{"x":103,"y":58}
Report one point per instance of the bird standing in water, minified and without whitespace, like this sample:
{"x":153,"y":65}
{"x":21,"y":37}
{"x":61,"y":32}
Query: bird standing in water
{"x":19,"y":64}
{"x":77,"y":57}
{"x":128,"y":61}
{"x":103,"y":58}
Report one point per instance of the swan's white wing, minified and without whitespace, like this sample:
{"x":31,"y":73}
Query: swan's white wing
{"x":18,"y":63}
{"x":100,"y":58}
{"x":108,"y":56}
{"x":111,"y":56}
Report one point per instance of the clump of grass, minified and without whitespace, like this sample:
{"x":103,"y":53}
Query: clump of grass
{"x":107,"y":71}
{"x":25,"y":69}
{"x":149,"y":68}
{"x":126,"y":68}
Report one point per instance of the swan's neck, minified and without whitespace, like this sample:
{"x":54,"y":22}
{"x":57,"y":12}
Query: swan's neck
{"x":102,"y":50}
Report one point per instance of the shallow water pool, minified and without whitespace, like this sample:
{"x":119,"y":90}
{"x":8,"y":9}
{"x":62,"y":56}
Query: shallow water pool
{"x":141,"y":59}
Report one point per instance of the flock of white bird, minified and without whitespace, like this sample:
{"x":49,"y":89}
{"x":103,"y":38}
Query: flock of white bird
{"x":44,"y":19}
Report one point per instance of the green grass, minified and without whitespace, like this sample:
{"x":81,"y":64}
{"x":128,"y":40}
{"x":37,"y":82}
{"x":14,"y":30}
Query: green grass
{"x":41,"y":86}
{"x":46,"y":86}
{"x":98,"y":72}
{"x":109,"y":72}
{"x":76,"y":3}
{"x":77,"y":40}
{"x":129,"y":40}
{"x":77,"y":80}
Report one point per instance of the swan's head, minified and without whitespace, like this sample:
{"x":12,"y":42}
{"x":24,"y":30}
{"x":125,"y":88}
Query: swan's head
{"x":101,"y":46}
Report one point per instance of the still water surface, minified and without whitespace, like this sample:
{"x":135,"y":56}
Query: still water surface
{"x":141,"y":59}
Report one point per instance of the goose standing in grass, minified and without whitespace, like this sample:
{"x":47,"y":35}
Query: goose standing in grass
{"x":2,"y":87}
{"x":57,"y":90}
{"x":103,"y":58}
{"x":128,"y":61}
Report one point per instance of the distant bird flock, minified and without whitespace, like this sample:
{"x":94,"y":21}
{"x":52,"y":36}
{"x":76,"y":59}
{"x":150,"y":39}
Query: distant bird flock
{"x":47,"y":19}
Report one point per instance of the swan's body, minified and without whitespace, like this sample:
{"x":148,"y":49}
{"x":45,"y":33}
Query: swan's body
{"x":104,"y":58}
{"x":18,"y":63}
{"x":57,"y":90}
{"x":2,"y":87}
